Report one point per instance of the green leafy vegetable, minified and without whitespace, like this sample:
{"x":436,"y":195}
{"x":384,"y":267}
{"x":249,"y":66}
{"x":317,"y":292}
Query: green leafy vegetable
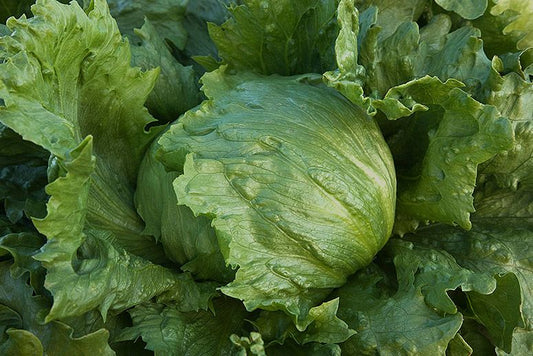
{"x":255,"y":177}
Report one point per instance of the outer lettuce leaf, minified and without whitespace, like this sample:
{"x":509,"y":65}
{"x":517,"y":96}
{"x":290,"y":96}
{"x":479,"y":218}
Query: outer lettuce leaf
{"x":321,"y":325}
{"x":458,"y":55}
{"x":85,"y":272}
{"x":392,"y":13}
{"x":434,"y":273}
{"x":513,"y":97}
{"x":168,"y":331}
{"x":500,"y":311}
{"x":383,"y":56}
{"x":65,"y":75}
{"x":176,"y":88}
{"x":428,"y":318}
{"x":506,"y":26}
{"x":22,"y":334}
{"x":283,"y":37}
{"x":23,"y":246}
{"x":391,"y":323}
{"x":436,"y":178}
{"x":494,"y":245}
{"x":282,"y":203}
{"x":189,"y":241}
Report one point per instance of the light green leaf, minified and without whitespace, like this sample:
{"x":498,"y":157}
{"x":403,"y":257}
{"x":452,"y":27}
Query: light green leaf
{"x":60,"y":85}
{"x":458,"y":55}
{"x":348,"y":79}
{"x":254,"y":343}
{"x":499,"y":311}
{"x":283,"y":37}
{"x":283,"y":203}
{"x":469,"y":10}
{"x":505,"y":27}
{"x":386,"y":52}
{"x":87,"y":272}
{"x":167,"y":331}
{"x":519,"y":26}
{"x":189,"y":241}
{"x":176,"y":89}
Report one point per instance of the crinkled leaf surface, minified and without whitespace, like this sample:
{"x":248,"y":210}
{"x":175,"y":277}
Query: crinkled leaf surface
{"x":84,"y":271}
{"x":436,"y":177}
{"x":516,"y":15}
{"x":282,"y":203}
{"x":513,"y":97}
{"x":168,"y":331}
{"x":321,"y":325}
{"x":65,"y":75}
{"x":283,"y":37}
{"x":494,"y":245}
{"x":389,"y":322}
{"x":434,"y":272}
{"x":386,"y":50}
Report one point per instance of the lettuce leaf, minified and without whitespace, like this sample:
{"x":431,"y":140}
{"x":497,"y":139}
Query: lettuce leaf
{"x":188,"y":241}
{"x":59,"y":86}
{"x":284,"y":37}
{"x":169,"y":331}
{"x":23,"y":334}
{"x":176,"y":89}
